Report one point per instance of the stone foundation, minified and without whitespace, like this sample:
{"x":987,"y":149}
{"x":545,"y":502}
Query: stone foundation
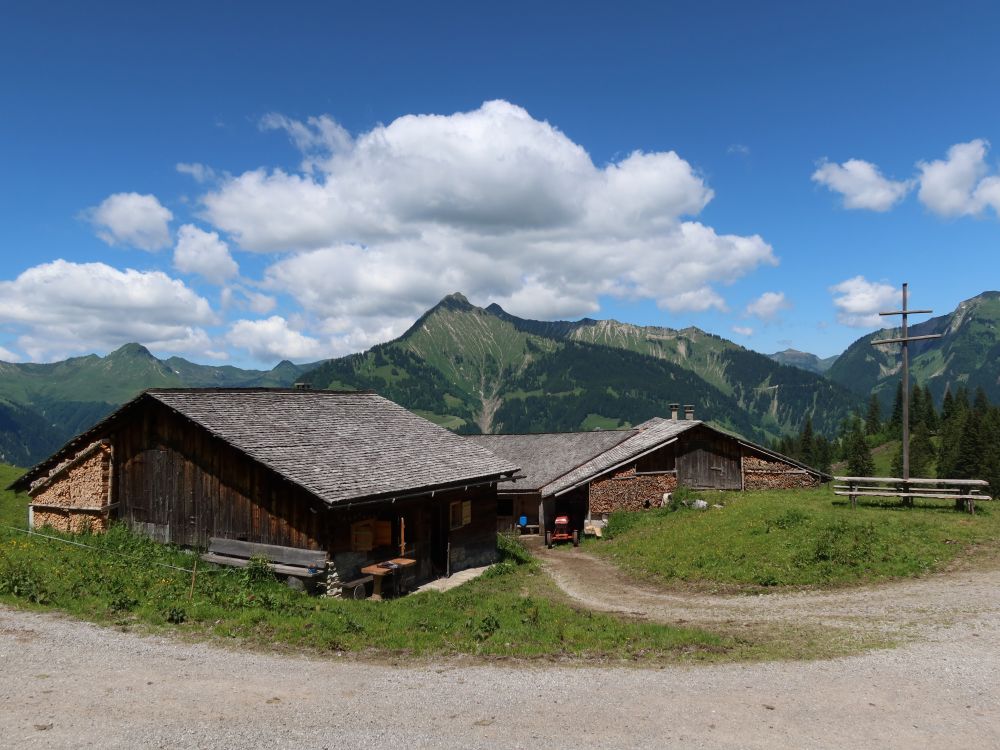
{"x":75,"y":496}
{"x":627,"y":490}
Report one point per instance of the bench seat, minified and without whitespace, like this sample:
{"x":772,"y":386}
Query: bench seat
{"x":287,"y":561}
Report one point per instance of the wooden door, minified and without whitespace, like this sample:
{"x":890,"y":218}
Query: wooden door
{"x":709,"y":461}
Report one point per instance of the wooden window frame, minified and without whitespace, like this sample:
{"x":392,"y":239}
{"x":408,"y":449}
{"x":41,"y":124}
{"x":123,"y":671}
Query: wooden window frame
{"x":464,"y":508}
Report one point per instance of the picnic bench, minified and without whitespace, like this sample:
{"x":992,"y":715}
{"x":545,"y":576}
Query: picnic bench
{"x":965,"y":492}
{"x":295,"y":563}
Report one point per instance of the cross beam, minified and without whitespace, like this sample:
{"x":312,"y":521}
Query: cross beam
{"x":905,"y":340}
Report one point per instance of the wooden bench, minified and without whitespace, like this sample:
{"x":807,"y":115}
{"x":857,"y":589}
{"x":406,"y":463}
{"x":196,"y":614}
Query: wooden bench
{"x":303,"y":564}
{"x":965,"y":492}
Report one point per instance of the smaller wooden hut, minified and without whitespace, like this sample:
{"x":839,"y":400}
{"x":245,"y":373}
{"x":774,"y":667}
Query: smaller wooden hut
{"x":349,"y":473}
{"x":591,"y":474}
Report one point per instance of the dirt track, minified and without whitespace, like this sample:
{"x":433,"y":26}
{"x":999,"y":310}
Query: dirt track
{"x":915,"y":607}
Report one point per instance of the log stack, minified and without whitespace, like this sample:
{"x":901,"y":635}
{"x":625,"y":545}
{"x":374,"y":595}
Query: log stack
{"x":761,"y":474}
{"x":74,"y":497}
{"x":626,"y":490}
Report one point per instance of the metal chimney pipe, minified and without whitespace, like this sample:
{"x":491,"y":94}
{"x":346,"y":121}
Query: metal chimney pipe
{"x":674,"y":408}
{"x":688,"y":411}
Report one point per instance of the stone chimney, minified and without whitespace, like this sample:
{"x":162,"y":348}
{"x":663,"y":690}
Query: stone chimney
{"x":688,"y":411}
{"x":674,"y":408}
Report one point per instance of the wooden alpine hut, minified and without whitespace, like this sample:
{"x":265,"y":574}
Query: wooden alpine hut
{"x":591,"y":474}
{"x":347,"y":478}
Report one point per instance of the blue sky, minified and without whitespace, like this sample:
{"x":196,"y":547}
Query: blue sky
{"x":766,"y":173}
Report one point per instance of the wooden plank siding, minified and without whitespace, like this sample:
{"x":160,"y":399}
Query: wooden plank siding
{"x":708,"y":459}
{"x":177,"y":483}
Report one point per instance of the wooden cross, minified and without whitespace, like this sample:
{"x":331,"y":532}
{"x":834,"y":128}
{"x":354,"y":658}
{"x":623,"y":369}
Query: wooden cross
{"x":905,"y":339}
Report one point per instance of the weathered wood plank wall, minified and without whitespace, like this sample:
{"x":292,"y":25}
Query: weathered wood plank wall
{"x":177,"y":483}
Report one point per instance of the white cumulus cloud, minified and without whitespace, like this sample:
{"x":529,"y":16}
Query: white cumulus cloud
{"x":203,"y":253}
{"x":6,"y":355}
{"x":273,"y":338}
{"x":247,"y":299}
{"x":60,"y":308}
{"x":859,"y":301}
{"x":743,"y":330}
{"x":862,"y":185}
{"x":958,"y":185}
{"x":133,"y":220}
{"x":768,"y":305}
{"x":493,"y":203}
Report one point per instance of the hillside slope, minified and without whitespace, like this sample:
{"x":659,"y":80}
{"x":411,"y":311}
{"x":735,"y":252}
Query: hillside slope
{"x":46,"y":404}
{"x":804,"y":360}
{"x":479,"y":369}
{"x":968,"y":354}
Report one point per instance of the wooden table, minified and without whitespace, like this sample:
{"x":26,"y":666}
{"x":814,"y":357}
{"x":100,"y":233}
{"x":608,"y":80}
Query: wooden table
{"x":379,"y":573}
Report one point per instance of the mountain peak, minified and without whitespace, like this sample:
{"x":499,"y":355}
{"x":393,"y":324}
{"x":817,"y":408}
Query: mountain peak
{"x":131,"y":351}
{"x":455,"y":301}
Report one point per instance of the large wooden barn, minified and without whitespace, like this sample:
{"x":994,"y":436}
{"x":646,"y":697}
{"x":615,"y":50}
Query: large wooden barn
{"x":590,"y":474}
{"x":347,"y":473}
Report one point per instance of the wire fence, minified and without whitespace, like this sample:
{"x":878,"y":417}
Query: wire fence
{"x":133,"y":558}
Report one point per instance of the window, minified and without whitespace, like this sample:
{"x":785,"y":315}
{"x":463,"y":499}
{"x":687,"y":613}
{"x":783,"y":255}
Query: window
{"x":461,"y":513}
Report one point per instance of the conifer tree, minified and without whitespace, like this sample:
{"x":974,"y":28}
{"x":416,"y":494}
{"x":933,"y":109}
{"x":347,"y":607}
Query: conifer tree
{"x":922,"y":454}
{"x":823,"y":454}
{"x":859,"y":458}
{"x":896,"y":420}
{"x":951,"y":437}
{"x":930,"y":417}
{"x":873,"y":418}
{"x":947,"y":405}
{"x":972,"y":447}
{"x":806,"y":446}
{"x":916,"y":406}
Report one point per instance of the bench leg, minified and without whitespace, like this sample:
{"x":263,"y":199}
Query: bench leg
{"x":377,"y":589}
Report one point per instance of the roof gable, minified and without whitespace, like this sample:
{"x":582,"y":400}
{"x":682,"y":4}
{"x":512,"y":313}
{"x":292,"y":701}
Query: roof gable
{"x":653,"y":434}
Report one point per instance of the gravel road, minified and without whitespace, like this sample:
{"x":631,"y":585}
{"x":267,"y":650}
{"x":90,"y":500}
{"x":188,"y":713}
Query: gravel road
{"x":70,"y":684}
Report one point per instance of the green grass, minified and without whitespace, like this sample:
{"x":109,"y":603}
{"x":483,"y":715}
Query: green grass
{"x":448,"y":421}
{"x":512,"y":611}
{"x":792,"y":538}
{"x":13,"y":507}
{"x":600,"y":422}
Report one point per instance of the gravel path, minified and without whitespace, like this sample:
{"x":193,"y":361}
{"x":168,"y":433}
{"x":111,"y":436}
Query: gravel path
{"x":71,"y":684}
{"x":963,"y":595}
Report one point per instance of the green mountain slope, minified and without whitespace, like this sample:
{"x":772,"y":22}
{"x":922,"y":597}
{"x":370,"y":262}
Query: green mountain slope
{"x":804,"y":360}
{"x":70,"y":396}
{"x":25,"y":435}
{"x":967,"y":354}
{"x":484,"y":369}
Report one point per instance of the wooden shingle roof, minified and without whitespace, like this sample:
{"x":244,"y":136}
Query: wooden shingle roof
{"x":648,"y":436}
{"x":544,"y":457}
{"x":340,"y":446}
{"x":556,"y":463}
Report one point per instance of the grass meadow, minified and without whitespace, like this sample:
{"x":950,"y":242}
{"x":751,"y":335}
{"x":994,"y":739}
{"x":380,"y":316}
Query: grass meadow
{"x":779,"y":538}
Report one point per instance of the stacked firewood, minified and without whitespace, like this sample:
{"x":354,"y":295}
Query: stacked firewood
{"x":74,"y":496}
{"x":760,"y":474}
{"x":628,"y":491}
